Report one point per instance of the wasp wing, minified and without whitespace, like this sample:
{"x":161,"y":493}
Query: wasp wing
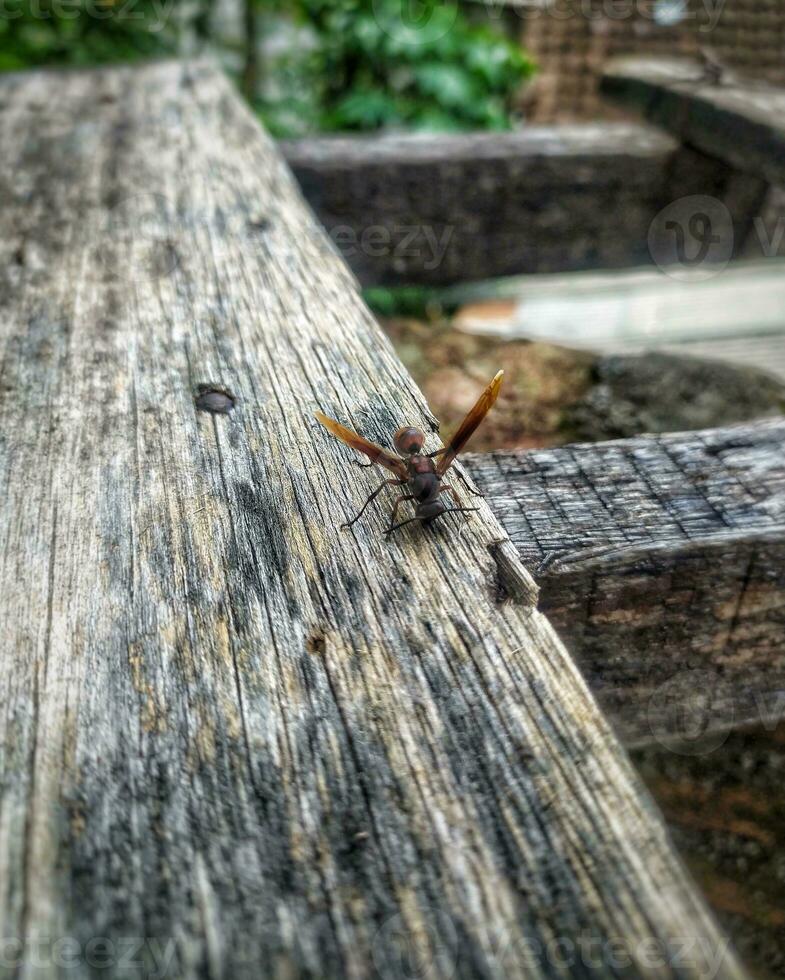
{"x":375,"y":453}
{"x":466,"y":428}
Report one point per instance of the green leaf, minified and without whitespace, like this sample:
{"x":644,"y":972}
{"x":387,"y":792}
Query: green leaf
{"x":365,"y":109}
{"x":435,"y":120}
{"x":366,"y":64}
{"x":10,"y":61}
{"x":450,"y":85}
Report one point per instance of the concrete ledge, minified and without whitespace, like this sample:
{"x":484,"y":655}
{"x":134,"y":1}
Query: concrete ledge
{"x":439,"y":209}
{"x":740,"y":123}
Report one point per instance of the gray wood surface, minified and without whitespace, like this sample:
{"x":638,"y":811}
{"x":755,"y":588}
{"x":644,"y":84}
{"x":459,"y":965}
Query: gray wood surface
{"x":664,"y":571}
{"x":237,"y":741}
{"x":739,"y":121}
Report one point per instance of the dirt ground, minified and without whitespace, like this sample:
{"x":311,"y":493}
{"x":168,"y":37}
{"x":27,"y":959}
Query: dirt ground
{"x":452,"y":368}
{"x":554,"y":395}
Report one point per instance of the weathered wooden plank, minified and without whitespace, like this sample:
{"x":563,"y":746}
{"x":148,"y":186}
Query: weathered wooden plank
{"x":664,"y":571}
{"x":236,"y":737}
{"x":742,"y":123}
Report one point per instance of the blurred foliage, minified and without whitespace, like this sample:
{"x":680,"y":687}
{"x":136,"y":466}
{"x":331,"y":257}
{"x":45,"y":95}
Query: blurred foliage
{"x":423,"y":302}
{"x":413,"y":64}
{"x":83,"y":32}
{"x":307,"y":65}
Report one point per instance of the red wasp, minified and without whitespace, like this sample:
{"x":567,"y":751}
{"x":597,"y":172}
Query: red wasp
{"x":415,"y":471}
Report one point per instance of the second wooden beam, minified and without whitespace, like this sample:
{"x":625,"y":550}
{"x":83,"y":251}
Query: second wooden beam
{"x":662,"y":566}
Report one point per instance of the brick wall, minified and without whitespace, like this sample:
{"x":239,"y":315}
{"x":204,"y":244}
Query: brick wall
{"x":572,"y":41}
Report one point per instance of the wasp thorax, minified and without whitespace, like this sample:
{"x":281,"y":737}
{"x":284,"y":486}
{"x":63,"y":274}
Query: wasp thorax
{"x":408,"y":441}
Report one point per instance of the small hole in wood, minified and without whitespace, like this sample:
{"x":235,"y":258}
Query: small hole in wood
{"x":259,"y":225}
{"x":211,"y":398}
{"x":316,"y":643}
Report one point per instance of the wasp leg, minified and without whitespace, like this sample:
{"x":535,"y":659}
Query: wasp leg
{"x":374,"y":495}
{"x":437,"y":452}
{"x":395,"y":527}
{"x":451,"y":490}
{"x":398,"y":502}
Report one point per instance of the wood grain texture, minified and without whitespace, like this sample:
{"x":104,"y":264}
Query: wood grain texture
{"x":237,"y":741}
{"x":665,"y":571}
{"x":740,"y":122}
